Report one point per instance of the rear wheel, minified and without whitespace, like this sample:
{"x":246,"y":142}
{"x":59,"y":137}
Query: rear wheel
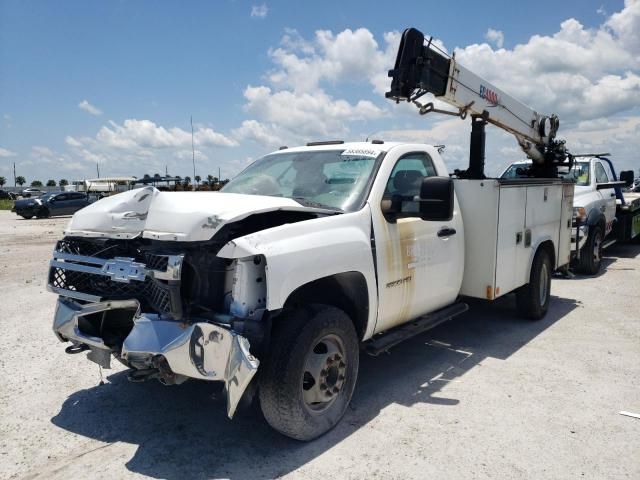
{"x":591,"y":254}
{"x":310,"y":374}
{"x":532,"y":299}
{"x":27,"y":217}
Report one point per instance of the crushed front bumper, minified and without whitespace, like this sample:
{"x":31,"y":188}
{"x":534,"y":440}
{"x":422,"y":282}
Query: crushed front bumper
{"x":200,"y":350}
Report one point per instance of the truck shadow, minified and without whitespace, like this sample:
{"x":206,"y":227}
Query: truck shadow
{"x":183,"y":432}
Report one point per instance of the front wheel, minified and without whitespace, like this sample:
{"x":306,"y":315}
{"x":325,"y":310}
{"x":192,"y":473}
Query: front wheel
{"x":532,"y":299}
{"x":27,"y":217}
{"x":310,"y":373}
{"x":591,"y":253}
{"x":43,"y":213}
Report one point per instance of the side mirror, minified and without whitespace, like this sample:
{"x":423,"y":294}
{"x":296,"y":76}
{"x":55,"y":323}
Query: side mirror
{"x":627,"y":177}
{"x":436,"y":199}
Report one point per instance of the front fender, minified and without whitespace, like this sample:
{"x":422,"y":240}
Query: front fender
{"x":297,"y":254}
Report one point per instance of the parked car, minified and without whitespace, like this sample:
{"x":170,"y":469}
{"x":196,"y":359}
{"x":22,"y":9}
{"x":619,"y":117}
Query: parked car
{"x":31,"y":192}
{"x":51,"y":204}
{"x":4,"y":195}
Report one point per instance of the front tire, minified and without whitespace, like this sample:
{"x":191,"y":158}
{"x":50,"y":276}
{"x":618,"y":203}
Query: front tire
{"x":310,"y":374}
{"x":27,"y":217}
{"x":591,"y":254}
{"x":44,"y":213}
{"x":532,"y":299}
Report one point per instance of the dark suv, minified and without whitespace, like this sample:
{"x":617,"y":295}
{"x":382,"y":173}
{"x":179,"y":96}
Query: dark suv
{"x":4,"y":195}
{"x":50,"y":204}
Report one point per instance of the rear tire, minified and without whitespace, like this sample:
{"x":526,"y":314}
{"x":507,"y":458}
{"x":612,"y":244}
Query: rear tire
{"x":310,"y":374}
{"x":43,"y":213}
{"x":27,"y":217}
{"x":591,"y":254}
{"x":532,"y":299}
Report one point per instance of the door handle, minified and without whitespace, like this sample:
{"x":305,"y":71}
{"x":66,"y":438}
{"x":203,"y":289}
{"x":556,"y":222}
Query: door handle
{"x":446,"y":232}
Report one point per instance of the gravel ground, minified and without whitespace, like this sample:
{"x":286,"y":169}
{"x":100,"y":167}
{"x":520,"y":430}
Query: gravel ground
{"x":486,"y":396}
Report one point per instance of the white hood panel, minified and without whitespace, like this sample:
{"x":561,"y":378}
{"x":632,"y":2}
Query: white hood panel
{"x":175,"y":216}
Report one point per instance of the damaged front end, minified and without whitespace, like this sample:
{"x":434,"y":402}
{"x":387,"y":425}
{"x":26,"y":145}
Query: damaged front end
{"x":129,"y":299}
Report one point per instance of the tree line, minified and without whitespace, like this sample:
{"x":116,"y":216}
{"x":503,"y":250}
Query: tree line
{"x":210,"y":181}
{"x":20,"y":180}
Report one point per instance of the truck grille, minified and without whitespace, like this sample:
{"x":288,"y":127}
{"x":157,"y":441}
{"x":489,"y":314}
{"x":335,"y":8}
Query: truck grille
{"x":82,"y":270}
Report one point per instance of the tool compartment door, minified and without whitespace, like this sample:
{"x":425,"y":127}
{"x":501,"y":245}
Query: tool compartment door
{"x":512,"y":255}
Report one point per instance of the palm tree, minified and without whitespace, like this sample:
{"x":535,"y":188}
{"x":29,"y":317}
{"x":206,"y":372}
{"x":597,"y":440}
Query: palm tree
{"x":51,"y":183}
{"x":186,"y":181}
{"x":63,"y":182}
{"x":36,"y":183}
{"x":197,"y":179}
{"x":2,"y":181}
{"x":210,"y":180}
{"x":20,"y":180}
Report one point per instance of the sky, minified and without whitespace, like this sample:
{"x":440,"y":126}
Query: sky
{"x":115,"y":83}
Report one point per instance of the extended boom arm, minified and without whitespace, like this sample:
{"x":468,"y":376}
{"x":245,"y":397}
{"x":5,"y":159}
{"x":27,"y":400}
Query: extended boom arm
{"x":421,"y":69}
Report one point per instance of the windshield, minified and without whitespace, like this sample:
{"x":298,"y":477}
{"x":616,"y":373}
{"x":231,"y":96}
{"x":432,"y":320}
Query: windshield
{"x":335,"y":179}
{"x":580,"y":173}
{"x":512,"y":171}
{"x":47,"y":196}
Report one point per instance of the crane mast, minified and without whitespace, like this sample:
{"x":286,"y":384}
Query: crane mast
{"x":420,"y":69}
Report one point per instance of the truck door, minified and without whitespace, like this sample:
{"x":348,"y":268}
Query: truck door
{"x":608,"y":195}
{"x":417,"y":261}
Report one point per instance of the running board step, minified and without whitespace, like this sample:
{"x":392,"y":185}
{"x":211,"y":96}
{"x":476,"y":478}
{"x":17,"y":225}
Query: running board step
{"x":608,"y":243}
{"x":383,"y":342}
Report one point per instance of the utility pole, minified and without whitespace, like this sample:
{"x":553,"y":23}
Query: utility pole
{"x":98,"y":169}
{"x":14,"y":175}
{"x":193,"y":157}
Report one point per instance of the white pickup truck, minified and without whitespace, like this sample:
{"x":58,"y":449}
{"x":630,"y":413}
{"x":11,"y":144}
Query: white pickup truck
{"x":602,"y":213}
{"x":273,"y":284}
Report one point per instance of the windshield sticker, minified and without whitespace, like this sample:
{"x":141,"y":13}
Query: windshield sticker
{"x":360,"y":152}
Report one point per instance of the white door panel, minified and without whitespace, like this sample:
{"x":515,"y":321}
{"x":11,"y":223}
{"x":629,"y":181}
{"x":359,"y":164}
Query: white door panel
{"x":418,"y":271}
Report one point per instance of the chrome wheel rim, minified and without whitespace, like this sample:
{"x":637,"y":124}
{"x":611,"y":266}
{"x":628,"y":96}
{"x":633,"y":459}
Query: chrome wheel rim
{"x":544,"y":283}
{"x":324,"y":373}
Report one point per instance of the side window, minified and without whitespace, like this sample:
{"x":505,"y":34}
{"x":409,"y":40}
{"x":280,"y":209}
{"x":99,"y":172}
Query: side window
{"x":407,"y":174}
{"x":76,"y":196}
{"x":61,"y":198}
{"x":601,"y":175}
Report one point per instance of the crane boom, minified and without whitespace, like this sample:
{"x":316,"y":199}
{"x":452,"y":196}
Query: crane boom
{"x":422,"y":69}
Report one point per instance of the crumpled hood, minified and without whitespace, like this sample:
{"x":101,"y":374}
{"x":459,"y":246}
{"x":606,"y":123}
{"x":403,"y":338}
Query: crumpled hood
{"x":176,"y":216}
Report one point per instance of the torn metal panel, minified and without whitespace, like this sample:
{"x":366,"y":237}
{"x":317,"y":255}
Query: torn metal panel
{"x":200,"y":350}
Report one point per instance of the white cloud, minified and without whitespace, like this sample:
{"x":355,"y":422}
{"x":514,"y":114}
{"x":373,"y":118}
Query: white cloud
{"x":351,"y":56}
{"x":134,"y":134}
{"x":258,"y":132}
{"x":87,"y":107}
{"x":259,"y":11}
{"x":72,"y":142}
{"x":307,"y":114}
{"x":495,"y":36}
{"x":6,"y":153}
